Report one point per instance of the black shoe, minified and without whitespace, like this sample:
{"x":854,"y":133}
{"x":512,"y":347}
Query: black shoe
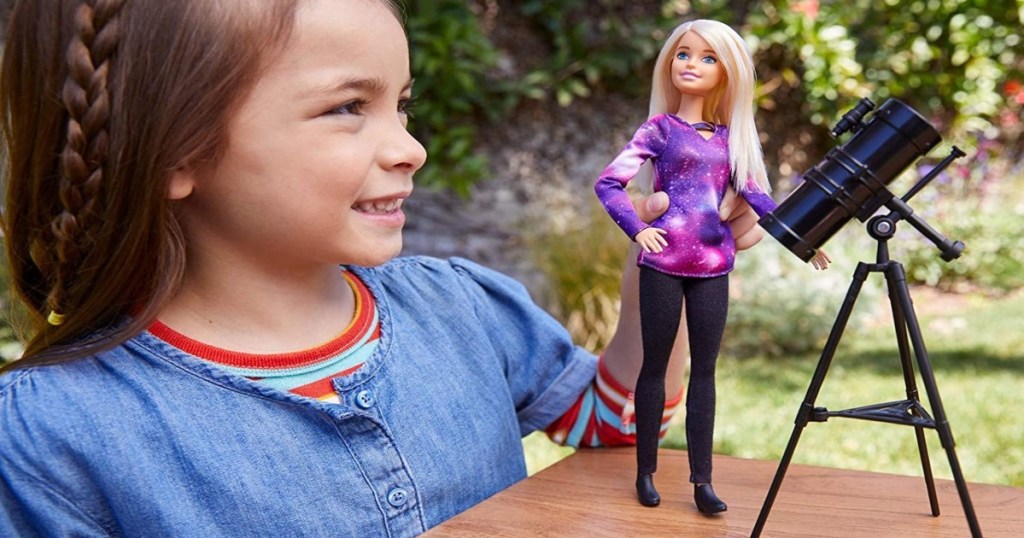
{"x":707,"y":501}
{"x":645,"y":490}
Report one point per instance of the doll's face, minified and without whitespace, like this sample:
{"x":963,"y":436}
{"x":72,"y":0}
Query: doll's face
{"x":696,"y":69}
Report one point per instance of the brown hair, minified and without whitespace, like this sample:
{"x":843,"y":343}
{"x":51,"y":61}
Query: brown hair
{"x":101,"y":100}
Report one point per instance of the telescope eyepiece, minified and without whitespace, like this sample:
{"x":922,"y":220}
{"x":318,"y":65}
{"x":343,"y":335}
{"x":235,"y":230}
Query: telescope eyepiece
{"x":852,"y":119}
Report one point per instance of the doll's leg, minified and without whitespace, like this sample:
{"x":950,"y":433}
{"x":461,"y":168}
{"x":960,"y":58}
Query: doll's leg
{"x":661,"y":298}
{"x":706,"y":308}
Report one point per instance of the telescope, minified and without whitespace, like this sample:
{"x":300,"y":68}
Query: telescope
{"x":851,"y":180}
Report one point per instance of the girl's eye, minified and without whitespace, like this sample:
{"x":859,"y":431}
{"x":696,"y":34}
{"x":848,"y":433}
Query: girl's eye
{"x":352,"y":107}
{"x":683,"y":56}
{"x":709,"y":60}
{"x":406,"y":106}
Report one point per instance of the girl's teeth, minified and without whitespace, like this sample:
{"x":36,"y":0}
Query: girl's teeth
{"x":379,"y":206}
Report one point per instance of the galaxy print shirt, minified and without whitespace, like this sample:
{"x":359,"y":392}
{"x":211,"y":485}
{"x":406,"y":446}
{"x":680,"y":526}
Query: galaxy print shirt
{"x":695,"y":174}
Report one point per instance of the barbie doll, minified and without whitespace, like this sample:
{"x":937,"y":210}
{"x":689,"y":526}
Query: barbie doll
{"x":701,"y":140}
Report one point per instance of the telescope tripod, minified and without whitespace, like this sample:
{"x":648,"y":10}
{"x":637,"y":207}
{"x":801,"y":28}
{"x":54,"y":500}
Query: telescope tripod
{"x":908,"y":412}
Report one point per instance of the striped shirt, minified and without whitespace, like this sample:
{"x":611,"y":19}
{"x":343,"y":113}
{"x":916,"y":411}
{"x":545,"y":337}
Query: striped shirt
{"x":306,"y":373}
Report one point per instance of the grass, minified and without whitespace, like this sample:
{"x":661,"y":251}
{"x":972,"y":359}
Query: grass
{"x":977,"y":349}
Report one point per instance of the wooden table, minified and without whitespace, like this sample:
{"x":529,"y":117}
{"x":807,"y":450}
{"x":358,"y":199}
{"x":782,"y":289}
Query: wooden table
{"x":591,"y":494}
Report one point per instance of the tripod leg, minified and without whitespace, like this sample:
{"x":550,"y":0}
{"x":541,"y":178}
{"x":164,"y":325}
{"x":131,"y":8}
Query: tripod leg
{"x":910,"y":382}
{"x":928,"y":377}
{"x":805,"y":413}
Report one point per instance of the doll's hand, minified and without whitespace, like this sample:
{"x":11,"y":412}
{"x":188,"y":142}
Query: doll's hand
{"x":736,"y":212}
{"x":820,"y":260}
{"x":651,"y":239}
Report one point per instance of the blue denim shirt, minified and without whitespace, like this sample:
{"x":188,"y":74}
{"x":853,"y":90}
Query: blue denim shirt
{"x":145,"y":440}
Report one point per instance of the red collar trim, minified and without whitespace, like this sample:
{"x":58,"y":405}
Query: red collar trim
{"x":361,"y":324}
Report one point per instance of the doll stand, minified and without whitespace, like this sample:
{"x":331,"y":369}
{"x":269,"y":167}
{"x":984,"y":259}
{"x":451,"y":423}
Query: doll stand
{"x":909,"y":411}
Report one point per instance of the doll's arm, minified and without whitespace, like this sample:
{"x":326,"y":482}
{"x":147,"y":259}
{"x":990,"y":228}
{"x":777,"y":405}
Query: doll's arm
{"x":761,"y":202}
{"x":648,"y":142}
{"x":821,"y":260}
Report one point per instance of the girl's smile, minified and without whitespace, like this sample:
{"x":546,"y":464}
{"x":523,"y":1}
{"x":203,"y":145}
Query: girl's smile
{"x":324,"y":128}
{"x":384,"y":211}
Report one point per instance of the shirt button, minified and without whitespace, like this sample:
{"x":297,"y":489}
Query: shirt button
{"x":364,"y":399}
{"x":397,"y":497}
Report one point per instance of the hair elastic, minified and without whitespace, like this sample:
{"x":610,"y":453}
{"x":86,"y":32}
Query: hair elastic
{"x":55,"y":318}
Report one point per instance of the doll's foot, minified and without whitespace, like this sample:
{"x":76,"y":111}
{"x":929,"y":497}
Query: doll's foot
{"x":645,"y":490}
{"x":707,"y":501}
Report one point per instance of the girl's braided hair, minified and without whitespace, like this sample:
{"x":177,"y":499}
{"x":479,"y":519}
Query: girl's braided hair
{"x":87,"y":100}
{"x":101,"y":102}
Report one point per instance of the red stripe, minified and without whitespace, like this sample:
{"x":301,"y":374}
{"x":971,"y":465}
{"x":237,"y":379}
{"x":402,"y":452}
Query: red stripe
{"x":358,"y":327}
{"x":568,"y":419}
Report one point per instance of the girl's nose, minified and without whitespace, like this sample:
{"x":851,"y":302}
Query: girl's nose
{"x":402,"y":151}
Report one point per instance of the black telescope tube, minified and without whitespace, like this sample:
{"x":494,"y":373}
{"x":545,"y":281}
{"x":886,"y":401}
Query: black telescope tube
{"x":850,"y":181}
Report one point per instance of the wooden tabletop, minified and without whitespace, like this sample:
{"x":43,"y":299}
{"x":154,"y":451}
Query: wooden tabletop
{"x":591,"y":494}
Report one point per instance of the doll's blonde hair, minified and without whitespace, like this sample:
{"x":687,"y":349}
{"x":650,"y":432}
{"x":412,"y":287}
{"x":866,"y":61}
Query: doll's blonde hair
{"x":731,"y":104}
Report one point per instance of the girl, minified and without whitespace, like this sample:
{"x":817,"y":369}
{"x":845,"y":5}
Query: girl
{"x":203,"y":203}
{"x":701,"y":140}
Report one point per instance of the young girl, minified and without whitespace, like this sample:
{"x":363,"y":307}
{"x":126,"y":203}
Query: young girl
{"x":204,"y":200}
{"x":701,"y":140}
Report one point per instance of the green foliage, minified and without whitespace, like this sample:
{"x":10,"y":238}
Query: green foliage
{"x":450,"y":60}
{"x":583,"y":263}
{"x":948,"y":58}
{"x":981,"y":204}
{"x":954,"y":60}
{"x":592,"y":44}
{"x":462,"y":87}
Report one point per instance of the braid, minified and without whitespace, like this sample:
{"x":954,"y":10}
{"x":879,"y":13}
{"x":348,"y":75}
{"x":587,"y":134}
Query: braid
{"x":87,"y":100}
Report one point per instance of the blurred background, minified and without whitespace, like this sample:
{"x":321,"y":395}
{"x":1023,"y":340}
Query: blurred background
{"x":522,"y":103}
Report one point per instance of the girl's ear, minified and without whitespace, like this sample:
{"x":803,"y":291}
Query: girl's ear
{"x":181,"y":184}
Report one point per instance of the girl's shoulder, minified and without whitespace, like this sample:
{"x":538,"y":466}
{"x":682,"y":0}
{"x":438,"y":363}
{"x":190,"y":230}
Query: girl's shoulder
{"x":426,"y":274}
{"x":62,"y":383}
{"x":451,"y":288}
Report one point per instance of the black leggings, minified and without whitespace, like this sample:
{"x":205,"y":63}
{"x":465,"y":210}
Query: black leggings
{"x":661,"y":299}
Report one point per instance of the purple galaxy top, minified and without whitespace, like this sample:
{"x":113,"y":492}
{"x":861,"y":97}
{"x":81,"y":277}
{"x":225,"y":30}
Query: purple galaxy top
{"x":694,"y":173}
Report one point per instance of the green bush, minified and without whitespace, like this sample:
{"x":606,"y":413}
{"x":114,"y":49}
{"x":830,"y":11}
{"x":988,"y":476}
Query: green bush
{"x":450,"y":61}
{"x":980,"y":203}
{"x":582,"y":261}
{"x":953,"y":60}
{"x":462,"y":88}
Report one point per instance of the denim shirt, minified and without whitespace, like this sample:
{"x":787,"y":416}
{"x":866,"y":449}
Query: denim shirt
{"x":145,"y":440}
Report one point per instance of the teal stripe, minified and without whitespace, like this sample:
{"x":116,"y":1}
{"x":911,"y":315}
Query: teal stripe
{"x":606,"y":415}
{"x":576,"y":433}
{"x":310,"y":368}
{"x":329,"y":369}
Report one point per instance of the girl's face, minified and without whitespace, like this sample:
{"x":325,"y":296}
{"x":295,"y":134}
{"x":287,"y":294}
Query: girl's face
{"x":318,"y":160}
{"x":696,"y":69}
